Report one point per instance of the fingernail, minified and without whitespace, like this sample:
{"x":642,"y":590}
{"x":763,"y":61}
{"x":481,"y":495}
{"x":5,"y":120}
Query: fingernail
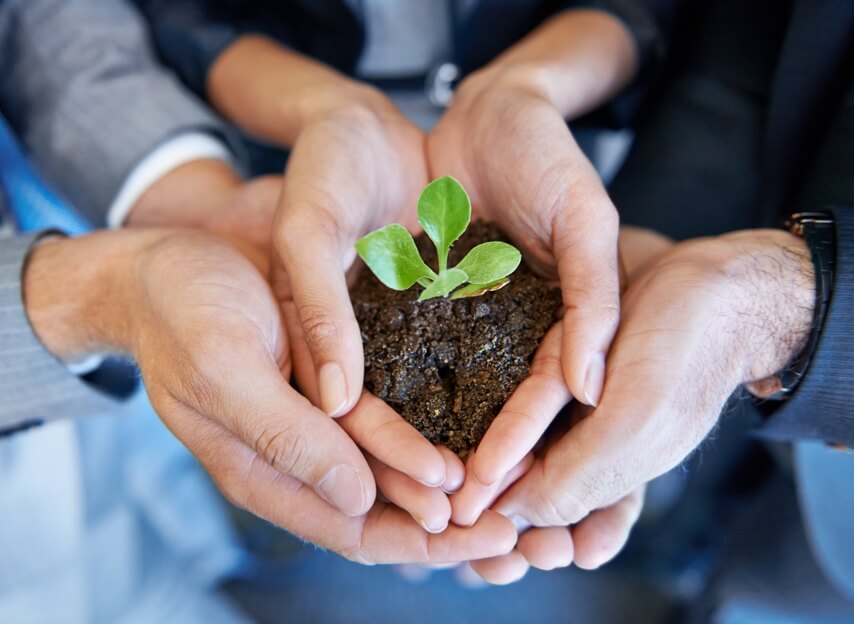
{"x":343,"y":487}
{"x":333,"y":389}
{"x":434,"y":527}
{"x":521,"y":524}
{"x":594,"y":380}
{"x":452,"y":484}
{"x":432,"y":483}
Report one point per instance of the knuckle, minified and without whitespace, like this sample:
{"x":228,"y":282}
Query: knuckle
{"x":564,"y":510}
{"x":353,"y":548}
{"x":580,"y":316}
{"x":287,"y":451}
{"x":318,"y":326}
{"x":550,"y":368}
{"x":301,"y":222}
{"x":233,"y":484}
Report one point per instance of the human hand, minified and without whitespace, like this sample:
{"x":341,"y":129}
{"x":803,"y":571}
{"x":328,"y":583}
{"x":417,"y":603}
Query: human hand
{"x":505,"y":450}
{"x":506,"y":139}
{"x":353,"y":168}
{"x":206,"y":332}
{"x":707,"y":316}
{"x":208,"y":195}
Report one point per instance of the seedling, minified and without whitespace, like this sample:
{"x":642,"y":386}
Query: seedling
{"x":444,"y":211}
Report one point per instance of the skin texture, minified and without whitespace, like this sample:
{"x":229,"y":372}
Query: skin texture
{"x":702,"y":318}
{"x":208,"y":195}
{"x":505,"y":138}
{"x":356,"y":164}
{"x":203,"y":325}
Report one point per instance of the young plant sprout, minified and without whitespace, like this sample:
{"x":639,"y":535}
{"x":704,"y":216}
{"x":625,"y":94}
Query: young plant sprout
{"x":444,"y":211}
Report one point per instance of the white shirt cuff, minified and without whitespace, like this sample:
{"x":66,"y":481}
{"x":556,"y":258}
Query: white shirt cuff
{"x":170,"y":155}
{"x":86,"y":365}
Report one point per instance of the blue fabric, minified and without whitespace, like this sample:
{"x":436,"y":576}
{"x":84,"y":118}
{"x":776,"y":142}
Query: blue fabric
{"x":32,"y":205}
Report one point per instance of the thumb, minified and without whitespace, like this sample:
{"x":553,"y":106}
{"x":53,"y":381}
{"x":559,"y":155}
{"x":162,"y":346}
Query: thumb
{"x":585,"y":247}
{"x":247,"y":394}
{"x":310,"y":271}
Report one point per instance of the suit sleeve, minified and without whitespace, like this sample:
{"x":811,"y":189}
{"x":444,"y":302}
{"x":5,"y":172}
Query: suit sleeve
{"x":822,"y":406}
{"x":34,"y":385}
{"x":650,"y":24}
{"x":191,"y":34}
{"x":82,"y":87}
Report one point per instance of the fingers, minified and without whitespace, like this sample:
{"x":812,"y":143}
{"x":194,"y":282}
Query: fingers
{"x":602,"y":535}
{"x":384,"y":535}
{"x":241,"y":387}
{"x":474,"y":497}
{"x":381,"y":431}
{"x":429,"y":506}
{"x":584,"y":238}
{"x":502,"y":570}
{"x":547,"y":548}
{"x":308,"y":244}
{"x":526,"y":415}
{"x":533,"y":499}
{"x":392,"y":536}
{"x":455,"y":470}
{"x":591,"y":543}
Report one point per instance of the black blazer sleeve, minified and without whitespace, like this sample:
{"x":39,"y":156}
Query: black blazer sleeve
{"x":822,"y":406}
{"x":191,"y":34}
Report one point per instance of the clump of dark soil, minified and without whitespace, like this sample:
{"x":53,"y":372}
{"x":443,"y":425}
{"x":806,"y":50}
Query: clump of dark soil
{"x":448,"y":366}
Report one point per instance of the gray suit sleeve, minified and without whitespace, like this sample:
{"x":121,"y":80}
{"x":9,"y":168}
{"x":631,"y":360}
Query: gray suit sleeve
{"x":34,"y":385}
{"x":81,"y":85}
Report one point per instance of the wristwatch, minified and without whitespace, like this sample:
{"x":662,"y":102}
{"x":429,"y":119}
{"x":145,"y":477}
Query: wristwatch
{"x":818,"y":229}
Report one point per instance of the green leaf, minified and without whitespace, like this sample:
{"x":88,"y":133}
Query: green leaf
{"x":444,"y":284}
{"x":444,"y":211}
{"x":489,"y":262}
{"x":476,"y":290}
{"x":391,"y":254}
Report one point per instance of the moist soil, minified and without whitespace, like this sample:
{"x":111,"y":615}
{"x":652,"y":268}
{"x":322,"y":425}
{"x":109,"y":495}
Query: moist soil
{"x":448,"y":366}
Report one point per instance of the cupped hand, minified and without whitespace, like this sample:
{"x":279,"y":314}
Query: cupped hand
{"x":207,"y":195}
{"x":704,"y":318}
{"x":511,"y":148}
{"x":353,"y":169}
{"x":208,"y":337}
{"x":214,"y":357}
{"x":601,"y":535}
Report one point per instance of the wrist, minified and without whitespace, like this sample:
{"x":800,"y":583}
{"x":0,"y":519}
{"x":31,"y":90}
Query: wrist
{"x":341,"y":98}
{"x":191,"y":195}
{"x":275,"y":93}
{"x":78,"y":294}
{"x":575,"y":61}
{"x":775,"y":301}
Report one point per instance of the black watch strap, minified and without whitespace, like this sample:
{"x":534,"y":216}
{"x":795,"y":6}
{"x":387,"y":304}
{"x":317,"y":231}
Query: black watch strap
{"x":818,"y":230}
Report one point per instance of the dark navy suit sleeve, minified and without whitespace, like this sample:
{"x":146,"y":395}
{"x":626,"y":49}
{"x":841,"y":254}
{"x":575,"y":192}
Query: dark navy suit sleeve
{"x":191,"y":34}
{"x":650,"y":23}
{"x":822,"y":406}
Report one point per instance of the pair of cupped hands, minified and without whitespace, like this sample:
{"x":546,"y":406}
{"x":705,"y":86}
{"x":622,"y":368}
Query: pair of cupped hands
{"x":648,"y":372}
